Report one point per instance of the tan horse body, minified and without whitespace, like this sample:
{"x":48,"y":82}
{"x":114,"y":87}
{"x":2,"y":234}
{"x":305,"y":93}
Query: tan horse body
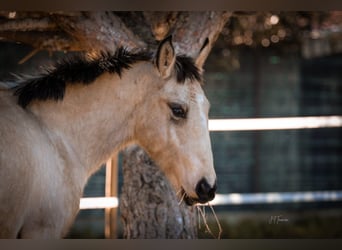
{"x":49,"y":148}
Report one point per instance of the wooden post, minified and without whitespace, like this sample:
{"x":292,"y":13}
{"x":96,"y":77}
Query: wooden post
{"x":111,"y":190}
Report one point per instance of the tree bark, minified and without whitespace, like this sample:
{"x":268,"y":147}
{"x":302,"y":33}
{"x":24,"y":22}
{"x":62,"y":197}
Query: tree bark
{"x":149,"y":207}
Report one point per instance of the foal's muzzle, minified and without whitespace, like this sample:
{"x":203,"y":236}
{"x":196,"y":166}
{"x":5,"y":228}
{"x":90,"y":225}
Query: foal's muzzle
{"x":204,"y":191}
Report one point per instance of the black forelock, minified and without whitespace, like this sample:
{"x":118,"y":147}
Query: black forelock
{"x":186,"y":69}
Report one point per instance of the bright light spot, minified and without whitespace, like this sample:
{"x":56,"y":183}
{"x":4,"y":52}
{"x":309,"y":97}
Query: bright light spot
{"x":265,"y":42}
{"x":236,"y":198}
{"x":308,"y":197}
{"x":275,"y":123}
{"x":274,"y":19}
{"x":273,"y":197}
{"x":98,"y":202}
{"x":238,"y":40}
{"x":315,"y":34}
{"x":274,"y":38}
{"x":302,"y":21}
{"x":281,"y":33}
{"x":248,"y":40}
{"x":12,"y":14}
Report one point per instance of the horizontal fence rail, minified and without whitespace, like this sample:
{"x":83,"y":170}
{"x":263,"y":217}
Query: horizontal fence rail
{"x":99,"y":202}
{"x":283,"y":123}
{"x":235,"y":199}
{"x":271,"y":198}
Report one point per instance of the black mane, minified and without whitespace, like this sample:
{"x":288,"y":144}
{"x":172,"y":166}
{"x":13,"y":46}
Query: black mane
{"x":79,"y":69}
{"x":52,"y":83}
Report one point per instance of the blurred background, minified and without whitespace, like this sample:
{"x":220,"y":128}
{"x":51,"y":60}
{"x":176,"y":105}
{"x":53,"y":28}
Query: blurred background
{"x":268,"y":65}
{"x":277,"y":183}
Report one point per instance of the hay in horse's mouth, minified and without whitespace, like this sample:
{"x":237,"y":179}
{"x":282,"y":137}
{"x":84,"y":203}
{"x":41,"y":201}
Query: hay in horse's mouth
{"x":190,"y":201}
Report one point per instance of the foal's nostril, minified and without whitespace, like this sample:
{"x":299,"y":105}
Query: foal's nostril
{"x":204,"y":191}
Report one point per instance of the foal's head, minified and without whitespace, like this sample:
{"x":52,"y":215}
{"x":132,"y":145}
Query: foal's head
{"x":173,"y":125}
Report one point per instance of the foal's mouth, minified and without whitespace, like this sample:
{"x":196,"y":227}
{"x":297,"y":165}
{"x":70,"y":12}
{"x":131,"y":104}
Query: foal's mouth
{"x":190,"y":201}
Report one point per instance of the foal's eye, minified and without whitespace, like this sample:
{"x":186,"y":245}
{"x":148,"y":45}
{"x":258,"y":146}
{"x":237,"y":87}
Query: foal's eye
{"x":178,"y":111}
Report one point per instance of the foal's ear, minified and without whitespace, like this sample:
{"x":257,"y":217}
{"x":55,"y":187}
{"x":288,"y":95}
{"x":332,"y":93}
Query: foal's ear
{"x":203,"y":54}
{"x":165,"y":58}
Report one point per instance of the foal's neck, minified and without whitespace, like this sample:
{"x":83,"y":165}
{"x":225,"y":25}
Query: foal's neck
{"x":95,"y":120}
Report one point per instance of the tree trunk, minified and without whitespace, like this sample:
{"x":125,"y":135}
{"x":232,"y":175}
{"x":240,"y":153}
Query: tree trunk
{"x":148,"y":205}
